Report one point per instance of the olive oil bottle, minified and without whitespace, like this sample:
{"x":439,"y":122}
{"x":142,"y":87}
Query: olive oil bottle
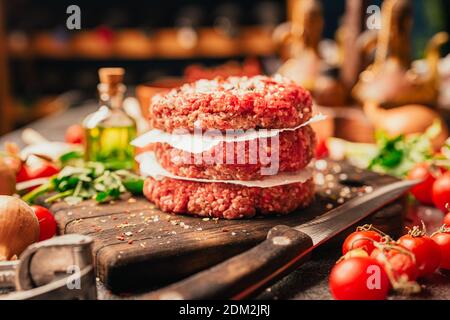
{"x":110,"y":130}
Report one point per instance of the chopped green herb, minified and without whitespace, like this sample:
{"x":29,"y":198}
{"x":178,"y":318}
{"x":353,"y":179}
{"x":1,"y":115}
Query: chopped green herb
{"x":398,"y":155}
{"x":69,"y":157}
{"x":134,"y":185}
{"x":87,"y":180}
{"x":393,"y":155}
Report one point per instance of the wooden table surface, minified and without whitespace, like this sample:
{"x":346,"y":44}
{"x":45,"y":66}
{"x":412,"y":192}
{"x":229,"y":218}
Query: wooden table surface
{"x":309,"y":282}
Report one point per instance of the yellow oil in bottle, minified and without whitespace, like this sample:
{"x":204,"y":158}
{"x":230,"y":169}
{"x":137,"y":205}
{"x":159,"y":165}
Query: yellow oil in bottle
{"x":111,"y":146}
{"x":110,"y":130}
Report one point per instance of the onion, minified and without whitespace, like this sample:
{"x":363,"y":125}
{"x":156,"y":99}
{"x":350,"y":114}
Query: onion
{"x":409,"y":119}
{"x":19,"y":227}
{"x":7,"y":179}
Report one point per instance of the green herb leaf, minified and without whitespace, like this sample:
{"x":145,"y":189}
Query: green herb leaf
{"x":397,"y":155}
{"x":34,"y":194}
{"x":59,"y":196}
{"x":101,"y":197}
{"x":135,"y":186}
{"x":114,"y":193}
{"x":86,"y":180}
{"x":70,"y":156}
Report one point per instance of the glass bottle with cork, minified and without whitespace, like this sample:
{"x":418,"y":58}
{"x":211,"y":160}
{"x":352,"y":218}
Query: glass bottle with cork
{"x":110,"y":130}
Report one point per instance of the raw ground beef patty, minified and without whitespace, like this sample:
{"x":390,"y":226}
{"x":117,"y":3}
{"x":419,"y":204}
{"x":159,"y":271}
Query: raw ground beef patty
{"x":224,"y":200}
{"x":232,"y":103}
{"x":294,"y":152}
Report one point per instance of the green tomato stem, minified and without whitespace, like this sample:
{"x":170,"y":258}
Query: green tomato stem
{"x":31,"y":196}
{"x":59,"y":196}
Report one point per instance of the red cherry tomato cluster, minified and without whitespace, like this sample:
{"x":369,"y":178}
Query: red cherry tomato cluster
{"x":75,"y":134}
{"x":447,"y":220}
{"x":442,"y":239}
{"x":43,"y":170}
{"x":24,"y":172}
{"x":426,"y":251}
{"x":359,"y":278}
{"x":373,"y":263}
{"x":47,"y":223}
{"x":435,"y":186}
{"x":362,"y":239}
{"x":423,"y":191}
{"x":441,"y":191}
{"x":321,"y":151}
{"x":401,"y":262}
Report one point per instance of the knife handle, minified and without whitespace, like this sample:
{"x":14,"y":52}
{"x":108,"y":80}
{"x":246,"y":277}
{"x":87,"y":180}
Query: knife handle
{"x":246,"y":274}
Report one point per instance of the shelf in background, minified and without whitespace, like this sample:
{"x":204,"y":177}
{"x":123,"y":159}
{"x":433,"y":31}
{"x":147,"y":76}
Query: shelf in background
{"x":135,"y":44}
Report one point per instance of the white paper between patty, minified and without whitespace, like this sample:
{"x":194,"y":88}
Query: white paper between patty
{"x":198,"y":143}
{"x":149,"y":166}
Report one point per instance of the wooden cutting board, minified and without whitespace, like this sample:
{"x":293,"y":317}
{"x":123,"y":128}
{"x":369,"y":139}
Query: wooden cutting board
{"x":136,"y":246}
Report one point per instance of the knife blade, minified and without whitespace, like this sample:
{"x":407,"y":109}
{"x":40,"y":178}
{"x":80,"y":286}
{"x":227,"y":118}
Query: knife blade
{"x":284,"y":250}
{"x":337,"y":220}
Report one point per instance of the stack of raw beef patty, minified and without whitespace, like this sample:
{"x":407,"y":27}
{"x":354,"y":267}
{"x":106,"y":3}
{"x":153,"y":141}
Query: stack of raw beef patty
{"x":240,"y":104}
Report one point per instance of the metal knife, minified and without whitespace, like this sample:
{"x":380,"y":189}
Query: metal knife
{"x":284,"y":250}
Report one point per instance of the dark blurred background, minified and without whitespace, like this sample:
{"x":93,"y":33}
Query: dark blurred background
{"x":43,"y":59}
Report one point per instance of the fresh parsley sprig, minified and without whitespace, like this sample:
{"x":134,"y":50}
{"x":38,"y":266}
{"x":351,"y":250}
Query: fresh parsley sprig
{"x":87,"y":180}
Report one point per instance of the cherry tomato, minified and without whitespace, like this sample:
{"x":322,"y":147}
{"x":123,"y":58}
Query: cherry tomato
{"x":422,"y":191}
{"x":46,"y":169}
{"x":75,"y":134}
{"x":441,"y":191}
{"x":355,"y":253}
{"x":442,"y":239}
{"x":47,"y":223}
{"x":447,"y":220}
{"x":359,"y":278}
{"x":23,"y":174}
{"x":321,"y":150}
{"x":400,"y":263}
{"x":426,"y":251}
{"x":361,"y":239}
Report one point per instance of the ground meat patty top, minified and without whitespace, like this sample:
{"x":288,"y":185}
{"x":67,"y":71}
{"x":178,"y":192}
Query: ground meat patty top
{"x":232,"y":103}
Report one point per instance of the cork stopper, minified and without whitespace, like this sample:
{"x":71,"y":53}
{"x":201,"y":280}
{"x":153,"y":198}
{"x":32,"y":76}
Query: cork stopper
{"x":111,"y":76}
{"x":111,"y":80}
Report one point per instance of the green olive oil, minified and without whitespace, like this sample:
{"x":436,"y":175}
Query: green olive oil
{"x":111,"y":145}
{"x":109,"y":130}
